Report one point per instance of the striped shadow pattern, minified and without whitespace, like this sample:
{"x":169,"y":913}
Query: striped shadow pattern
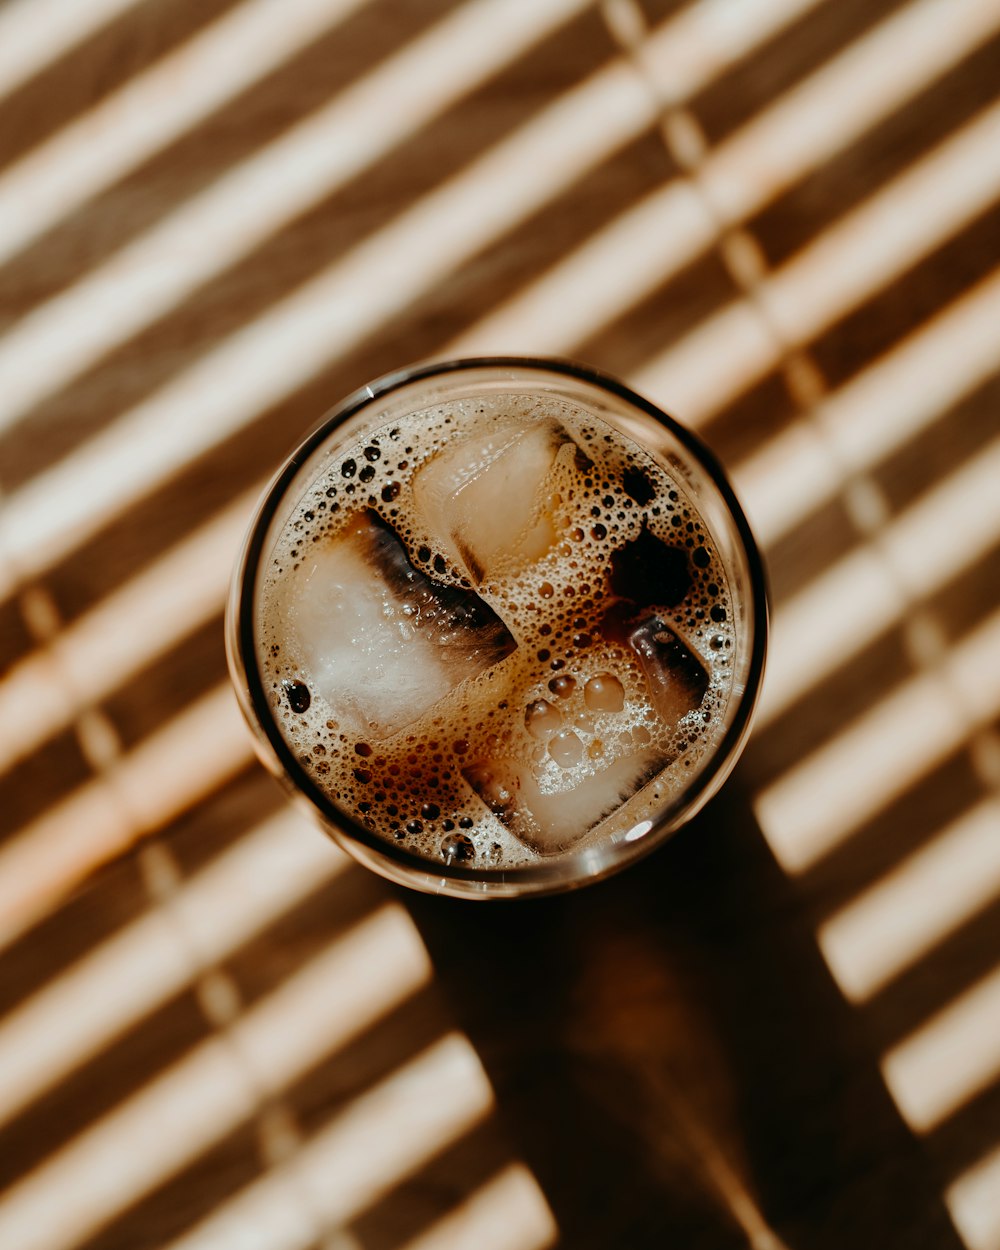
{"x":777,"y":218}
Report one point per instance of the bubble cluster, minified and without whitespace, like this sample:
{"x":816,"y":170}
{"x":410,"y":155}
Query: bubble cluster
{"x":620,"y":540}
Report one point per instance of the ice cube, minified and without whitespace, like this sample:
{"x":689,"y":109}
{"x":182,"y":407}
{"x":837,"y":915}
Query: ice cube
{"x":676,"y":678}
{"x":550,"y":823}
{"x":376,"y":637}
{"x":486,"y":496}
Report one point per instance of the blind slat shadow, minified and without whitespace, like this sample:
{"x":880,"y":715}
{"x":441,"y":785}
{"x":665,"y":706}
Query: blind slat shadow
{"x":109,"y":900}
{"x":89,"y":72}
{"x":669,"y":1053}
{"x":150,"y":360}
{"x":313,"y":162}
{"x":49,"y":773}
{"x":883,"y":152}
{"x":893,"y":312}
{"x":262,"y":113}
{"x":118,"y":1072}
{"x":206,"y":483}
{"x":907,"y":823}
{"x":794,"y":53}
{"x":180,"y":1204}
{"x":951,"y":967}
{"x":968,"y":1135}
{"x":416,"y":1202}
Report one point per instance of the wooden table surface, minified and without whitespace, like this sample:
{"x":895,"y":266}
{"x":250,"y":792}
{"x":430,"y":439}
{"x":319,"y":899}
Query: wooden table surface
{"x":777,"y":218}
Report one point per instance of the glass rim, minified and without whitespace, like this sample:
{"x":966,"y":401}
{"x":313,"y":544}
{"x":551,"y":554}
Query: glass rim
{"x":539,"y":877}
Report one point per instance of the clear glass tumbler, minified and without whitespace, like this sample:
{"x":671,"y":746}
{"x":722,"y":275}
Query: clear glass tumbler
{"x":604,"y":402}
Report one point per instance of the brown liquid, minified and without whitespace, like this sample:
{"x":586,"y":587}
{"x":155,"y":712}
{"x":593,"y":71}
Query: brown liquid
{"x":506,"y":628}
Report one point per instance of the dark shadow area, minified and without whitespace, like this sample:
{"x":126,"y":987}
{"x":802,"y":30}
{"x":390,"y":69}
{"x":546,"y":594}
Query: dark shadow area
{"x":879,"y":155}
{"x":86,"y":74}
{"x":317,"y":238}
{"x":687,"y":992}
{"x":784,"y":60}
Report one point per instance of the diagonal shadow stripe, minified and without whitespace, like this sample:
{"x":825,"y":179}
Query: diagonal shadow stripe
{"x":34,"y":33}
{"x":341,"y":130}
{"x":313,"y":227}
{"x":84,"y":77}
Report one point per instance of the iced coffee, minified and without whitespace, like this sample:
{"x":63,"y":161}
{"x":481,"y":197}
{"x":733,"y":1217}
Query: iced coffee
{"x":499,"y":628}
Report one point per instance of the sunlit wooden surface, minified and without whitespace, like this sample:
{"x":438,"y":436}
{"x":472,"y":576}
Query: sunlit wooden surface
{"x":778,"y":218}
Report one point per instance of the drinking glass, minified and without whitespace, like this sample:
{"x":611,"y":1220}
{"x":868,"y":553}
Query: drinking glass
{"x":601,"y":399}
